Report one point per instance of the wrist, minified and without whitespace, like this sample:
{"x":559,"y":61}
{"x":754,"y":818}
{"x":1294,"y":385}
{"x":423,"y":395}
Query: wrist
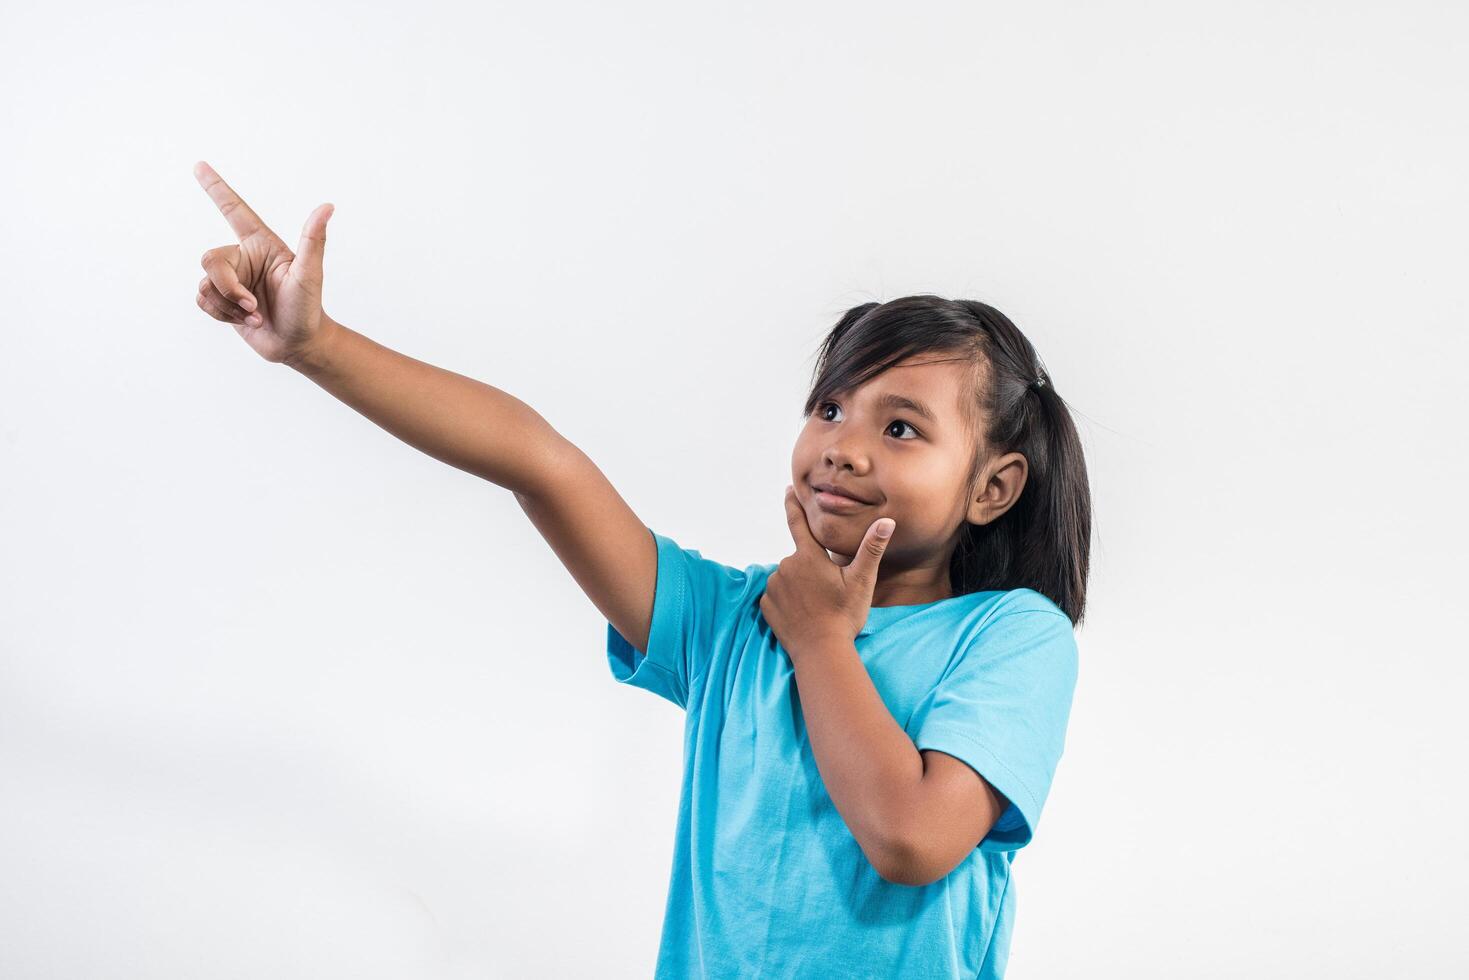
{"x":820,"y":643}
{"x":314,"y":356}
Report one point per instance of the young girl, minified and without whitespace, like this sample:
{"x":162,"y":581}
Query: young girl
{"x":872,"y":725}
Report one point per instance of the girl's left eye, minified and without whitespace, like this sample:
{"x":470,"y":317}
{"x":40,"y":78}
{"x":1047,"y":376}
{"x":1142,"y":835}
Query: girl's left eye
{"x":825,"y":405}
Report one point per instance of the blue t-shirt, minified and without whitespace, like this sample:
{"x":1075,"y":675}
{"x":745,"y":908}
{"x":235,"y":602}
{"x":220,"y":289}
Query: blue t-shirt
{"x":767,"y":880}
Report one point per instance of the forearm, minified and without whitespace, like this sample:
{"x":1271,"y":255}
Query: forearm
{"x":463,"y":422}
{"x":869,"y":765}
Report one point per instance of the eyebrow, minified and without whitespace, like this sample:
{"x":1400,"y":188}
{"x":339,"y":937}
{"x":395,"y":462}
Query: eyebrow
{"x":902,"y":401}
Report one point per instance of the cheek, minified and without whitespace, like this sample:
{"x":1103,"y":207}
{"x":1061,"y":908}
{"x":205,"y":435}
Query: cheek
{"x":798,"y":456}
{"x":805,"y":459}
{"x":915,"y":507}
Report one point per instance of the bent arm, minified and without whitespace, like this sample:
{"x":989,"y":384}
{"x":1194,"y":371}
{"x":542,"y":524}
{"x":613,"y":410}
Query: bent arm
{"x":482,"y":430}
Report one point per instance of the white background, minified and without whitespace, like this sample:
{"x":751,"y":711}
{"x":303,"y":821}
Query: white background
{"x":282,"y":697}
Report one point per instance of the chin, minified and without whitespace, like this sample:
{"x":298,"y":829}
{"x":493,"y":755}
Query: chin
{"x":832,"y":532}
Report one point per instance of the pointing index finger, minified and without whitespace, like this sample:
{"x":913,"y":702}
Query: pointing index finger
{"x":243,"y":221}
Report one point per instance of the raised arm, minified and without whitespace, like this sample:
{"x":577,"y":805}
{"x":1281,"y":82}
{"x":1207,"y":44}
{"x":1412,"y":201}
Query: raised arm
{"x":482,"y":430}
{"x":272,"y":297}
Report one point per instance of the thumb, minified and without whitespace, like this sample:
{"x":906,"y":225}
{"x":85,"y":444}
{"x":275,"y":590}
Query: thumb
{"x":307,"y":265}
{"x":874,"y":543}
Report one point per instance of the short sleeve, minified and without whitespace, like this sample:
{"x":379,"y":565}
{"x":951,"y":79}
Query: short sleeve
{"x":1002,"y":708}
{"x":697,"y":605}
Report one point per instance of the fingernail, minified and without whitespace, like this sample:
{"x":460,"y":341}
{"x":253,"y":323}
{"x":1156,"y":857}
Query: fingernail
{"x":885,"y":527}
{"x":253,"y":319}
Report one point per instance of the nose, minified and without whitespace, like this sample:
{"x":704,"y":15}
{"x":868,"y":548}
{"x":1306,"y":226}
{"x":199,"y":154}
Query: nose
{"x":843,"y":453}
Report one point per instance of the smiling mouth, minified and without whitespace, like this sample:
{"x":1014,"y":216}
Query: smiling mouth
{"x":831,"y":489}
{"x":835,"y":501}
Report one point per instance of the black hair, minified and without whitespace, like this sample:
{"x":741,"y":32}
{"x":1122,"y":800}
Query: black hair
{"x":1043,"y":541}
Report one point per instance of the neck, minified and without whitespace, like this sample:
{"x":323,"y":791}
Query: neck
{"x":912,"y":586}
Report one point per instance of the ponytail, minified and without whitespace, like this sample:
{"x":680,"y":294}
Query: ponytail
{"x":1043,"y":542}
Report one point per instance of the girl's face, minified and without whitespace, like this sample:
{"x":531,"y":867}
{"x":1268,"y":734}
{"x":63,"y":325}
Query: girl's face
{"x":904,"y":461}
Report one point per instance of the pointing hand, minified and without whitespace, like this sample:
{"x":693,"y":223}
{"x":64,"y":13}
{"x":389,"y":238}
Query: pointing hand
{"x":271,"y":296}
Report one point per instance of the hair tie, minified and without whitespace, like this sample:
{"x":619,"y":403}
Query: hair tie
{"x":1036,"y":384}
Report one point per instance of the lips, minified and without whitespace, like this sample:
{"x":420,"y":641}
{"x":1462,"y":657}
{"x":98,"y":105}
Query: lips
{"x":840,"y":491}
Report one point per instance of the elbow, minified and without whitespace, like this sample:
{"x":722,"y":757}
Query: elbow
{"x":902,"y":862}
{"x":902,"y":876}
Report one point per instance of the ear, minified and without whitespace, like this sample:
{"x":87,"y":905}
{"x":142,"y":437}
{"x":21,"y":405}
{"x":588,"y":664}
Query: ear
{"x":998,"y":488}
